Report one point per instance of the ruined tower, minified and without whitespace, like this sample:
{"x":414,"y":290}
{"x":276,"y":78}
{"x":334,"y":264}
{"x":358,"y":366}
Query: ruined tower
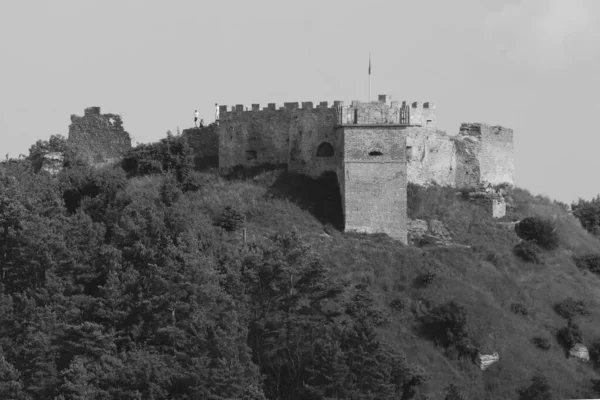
{"x":99,"y":139}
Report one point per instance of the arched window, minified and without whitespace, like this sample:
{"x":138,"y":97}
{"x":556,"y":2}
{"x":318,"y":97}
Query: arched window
{"x":325,"y":150}
{"x":375,"y":153}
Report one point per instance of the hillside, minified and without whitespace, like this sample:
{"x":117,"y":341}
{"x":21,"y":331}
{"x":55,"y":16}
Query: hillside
{"x":135,"y":282}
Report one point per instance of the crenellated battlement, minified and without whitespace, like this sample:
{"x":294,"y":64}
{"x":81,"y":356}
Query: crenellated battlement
{"x":304,"y":105}
{"x":382,"y":111}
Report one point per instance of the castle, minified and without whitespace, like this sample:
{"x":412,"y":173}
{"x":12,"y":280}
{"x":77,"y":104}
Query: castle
{"x":374,"y":148}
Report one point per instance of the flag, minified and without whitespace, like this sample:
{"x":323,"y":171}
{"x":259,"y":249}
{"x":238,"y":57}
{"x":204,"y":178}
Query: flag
{"x":369,"y":63}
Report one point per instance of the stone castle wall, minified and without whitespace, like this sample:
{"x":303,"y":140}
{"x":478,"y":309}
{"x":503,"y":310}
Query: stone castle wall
{"x":375,"y":180}
{"x":291,"y":133}
{"x":375,"y":148}
{"x":97,"y":138}
{"x":287,"y":134}
{"x":479,"y":153}
{"x":205,"y":145}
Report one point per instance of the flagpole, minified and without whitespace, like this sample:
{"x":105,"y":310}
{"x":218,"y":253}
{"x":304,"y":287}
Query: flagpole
{"x":369,"y":77}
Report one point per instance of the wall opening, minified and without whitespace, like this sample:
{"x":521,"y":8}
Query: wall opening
{"x":375,"y":153}
{"x":409,"y":152}
{"x":325,"y":150}
{"x":250,"y":155}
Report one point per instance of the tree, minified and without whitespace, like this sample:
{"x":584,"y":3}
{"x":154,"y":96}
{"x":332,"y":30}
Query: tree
{"x":539,"y":389}
{"x":588,"y":213}
{"x":540,"y":231}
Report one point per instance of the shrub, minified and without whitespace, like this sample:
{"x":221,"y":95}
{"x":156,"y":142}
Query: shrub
{"x":596,"y":385}
{"x":231,"y":219}
{"x":497,"y":259}
{"x":453,"y":392}
{"x":589,"y":261}
{"x":541,"y":343}
{"x":569,"y":308}
{"x":528,"y":251}
{"x":594,"y":351}
{"x":398,"y":304}
{"x":428,"y":278}
{"x":519,"y":308}
{"x":447,"y":325}
{"x":541,"y":231}
{"x":539,"y":389}
{"x":570,"y":334}
{"x":588,"y":213}
{"x":171,"y":154}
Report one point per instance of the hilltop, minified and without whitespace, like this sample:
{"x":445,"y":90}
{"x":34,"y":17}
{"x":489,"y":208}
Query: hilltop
{"x":134,"y":280}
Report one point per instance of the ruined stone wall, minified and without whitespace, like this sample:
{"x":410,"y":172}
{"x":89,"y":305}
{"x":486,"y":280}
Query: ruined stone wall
{"x":468,"y":169}
{"x":478,"y":153}
{"x":431,"y":157}
{"x":98,"y":139}
{"x":496,"y":152}
{"x":205,"y":145}
{"x":375,"y":180}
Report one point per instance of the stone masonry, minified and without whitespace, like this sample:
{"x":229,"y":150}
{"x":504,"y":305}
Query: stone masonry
{"x":374,"y":148}
{"x":99,"y":139}
{"x":205,"y":145}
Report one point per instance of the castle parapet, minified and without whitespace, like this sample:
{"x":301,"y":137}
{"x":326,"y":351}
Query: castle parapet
{"x":383,"y":111}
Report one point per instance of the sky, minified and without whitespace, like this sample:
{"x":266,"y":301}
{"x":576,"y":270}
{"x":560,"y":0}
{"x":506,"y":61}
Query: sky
{"x":531,"y":65}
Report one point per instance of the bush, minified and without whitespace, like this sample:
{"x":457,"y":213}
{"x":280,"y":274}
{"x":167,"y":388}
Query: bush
{"x":519,"y":308}
{"x":541,"y":231}
{"x":594,"y":351}
{"x":570,"y":334}
{"x":447,"y":325}
{"x":397,"y":304}
{"x":569,"y":308}
{"x":453,"y":392}
{"x":541,"y":343}
{"x":539,"y":389}
{"x":428,"y":278}
{"x":588,"y":213}
{"x":171,"y":154}
{"x":231,"y":219}
{"x":596,"y":385}
{"x":528,"y":251}
{"x":589,"y":261}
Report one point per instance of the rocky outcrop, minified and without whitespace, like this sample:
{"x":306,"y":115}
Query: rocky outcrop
{"x":98,"y":139}
{"x":485,"y":360}
{"x":579,"y":352}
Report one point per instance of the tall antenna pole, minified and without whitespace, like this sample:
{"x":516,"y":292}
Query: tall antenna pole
{"x":369,"y":77}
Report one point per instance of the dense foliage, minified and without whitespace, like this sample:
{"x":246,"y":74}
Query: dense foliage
{"x":588,"y":213}
{"x":113,"y":290}
{"x":134,"y":282}
{"x":537,"y":230}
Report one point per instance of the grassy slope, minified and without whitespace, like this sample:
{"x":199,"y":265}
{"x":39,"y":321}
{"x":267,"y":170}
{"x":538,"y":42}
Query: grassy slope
{"x":486,"y":278}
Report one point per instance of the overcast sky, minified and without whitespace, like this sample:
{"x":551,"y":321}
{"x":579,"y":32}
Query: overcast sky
{"x":531,"y":65}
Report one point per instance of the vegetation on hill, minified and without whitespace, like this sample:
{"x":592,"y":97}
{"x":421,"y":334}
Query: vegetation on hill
{"x":137,"y":282}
